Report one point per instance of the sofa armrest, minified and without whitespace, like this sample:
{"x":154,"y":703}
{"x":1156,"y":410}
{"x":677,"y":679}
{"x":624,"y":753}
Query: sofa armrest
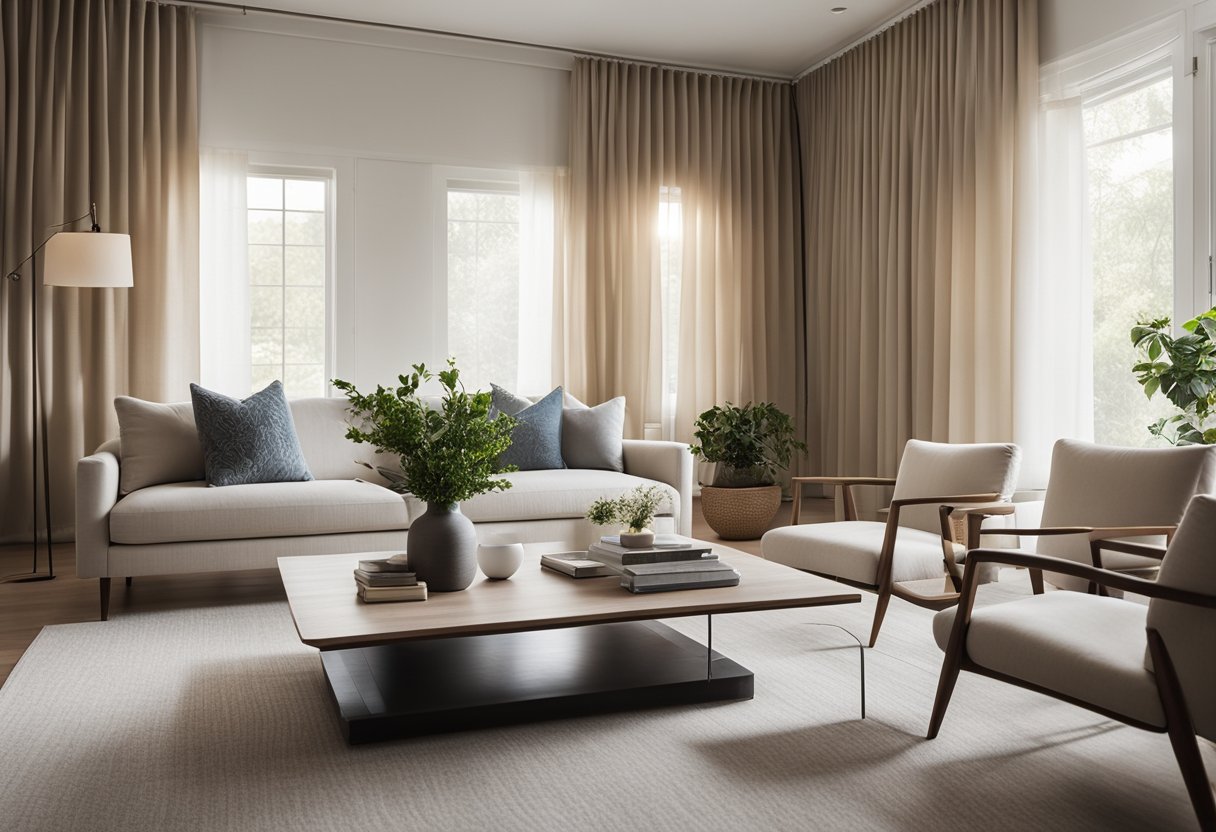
{"x":666,"y":462}
{"x":96,"y":494}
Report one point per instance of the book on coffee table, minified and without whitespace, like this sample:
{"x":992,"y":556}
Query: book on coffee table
{"x":396,"y":563}
{"x":618,"y":557}
{"x":575,"y":564}
{"x":365,"y":578}
{"x":378,"y":594}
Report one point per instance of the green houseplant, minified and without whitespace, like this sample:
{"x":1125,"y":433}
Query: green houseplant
{"x":634,"y":511}
{"x":750,"y":445}
{"x":447,"y":455}
{"x":1182,"y":369}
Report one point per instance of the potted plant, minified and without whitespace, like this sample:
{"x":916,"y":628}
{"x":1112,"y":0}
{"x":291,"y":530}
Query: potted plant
{"x":749,"y":445}
{"x":1182,"y":369}
{"x":447,"y":456}
{"x":634,"y":511}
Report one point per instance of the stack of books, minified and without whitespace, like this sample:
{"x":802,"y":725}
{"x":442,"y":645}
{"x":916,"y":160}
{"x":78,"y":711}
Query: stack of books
{"x":672,"y":563}
{"x":388,"y":579}
{"x":575,"y":564}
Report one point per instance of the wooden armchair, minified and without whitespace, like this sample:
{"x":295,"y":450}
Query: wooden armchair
{"x":1147,"y":666}
{"x":916,"y":541}
{"x":1098,"y":496}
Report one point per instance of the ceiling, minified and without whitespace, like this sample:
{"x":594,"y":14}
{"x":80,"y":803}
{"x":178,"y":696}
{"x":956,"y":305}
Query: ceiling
{"x":767,"y":37}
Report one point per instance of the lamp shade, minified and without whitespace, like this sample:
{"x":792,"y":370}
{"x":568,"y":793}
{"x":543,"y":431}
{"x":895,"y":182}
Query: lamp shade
{"x":88,"y":259}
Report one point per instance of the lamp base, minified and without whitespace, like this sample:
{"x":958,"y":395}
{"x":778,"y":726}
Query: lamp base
{"x":26,"y":579}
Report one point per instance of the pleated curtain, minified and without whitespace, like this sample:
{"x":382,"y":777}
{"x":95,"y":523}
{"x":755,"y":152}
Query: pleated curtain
{"x":727,"y":144}
{"x":918,"y":165}
{"x":100,"y":104}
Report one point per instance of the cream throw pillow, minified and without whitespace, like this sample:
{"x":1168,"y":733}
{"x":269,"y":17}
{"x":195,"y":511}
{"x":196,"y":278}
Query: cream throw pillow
{"x":159,"y":443}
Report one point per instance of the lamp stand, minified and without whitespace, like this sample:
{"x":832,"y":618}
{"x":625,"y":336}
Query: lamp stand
{"x":37,"y":417}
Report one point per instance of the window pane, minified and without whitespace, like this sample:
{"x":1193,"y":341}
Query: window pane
{"x":265,"y":265}
{"x":305,"y":306}
{"x":301,"y":380}
{"x":483,"y":286}
{"x":264,"y":192}
{"x":266,"y":306}
{"x":305,"y":228}
{"x":304,"y":346}
{"x":267,"y":345}
{"x":265,"y":227}
{"x":263,"y":374}
{"x":305,"y":265}
{"x":305,"y":195}
{"x":1130,"y":181}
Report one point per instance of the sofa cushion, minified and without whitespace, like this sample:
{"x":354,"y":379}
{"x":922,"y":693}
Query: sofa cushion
{"x":248,"y":441}
{"x":850,"y":550}
{"x":158,"y":443}
{"x":186,"y":511}
{"x":593,"y":437}
{"x":550,"y":495}
{"x":536,"y":440}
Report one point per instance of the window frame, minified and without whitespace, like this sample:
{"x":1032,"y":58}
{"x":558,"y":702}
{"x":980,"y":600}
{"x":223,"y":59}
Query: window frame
{"x":329,"y":177}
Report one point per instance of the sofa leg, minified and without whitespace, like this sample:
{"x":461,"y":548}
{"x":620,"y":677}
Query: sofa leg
{"x":128,"y":580}
{"x":105,"y":598}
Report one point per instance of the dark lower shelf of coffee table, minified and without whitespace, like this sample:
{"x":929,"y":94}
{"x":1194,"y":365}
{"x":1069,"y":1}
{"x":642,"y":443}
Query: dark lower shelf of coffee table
{"x":430,"y":686}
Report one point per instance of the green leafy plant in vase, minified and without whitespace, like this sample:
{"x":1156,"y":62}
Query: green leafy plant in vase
{"x":634,"y":511}
{"x":1183,"y":369}
{"x":447,"y":455}
{"x":749,"y":445}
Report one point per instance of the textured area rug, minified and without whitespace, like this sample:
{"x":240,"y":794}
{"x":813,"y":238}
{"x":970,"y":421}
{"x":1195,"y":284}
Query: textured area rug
{"x":220,"y":719}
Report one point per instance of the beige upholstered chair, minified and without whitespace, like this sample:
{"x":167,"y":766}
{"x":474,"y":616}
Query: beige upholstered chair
{"x":1149,"y":666}
{"x":917,"y":541}
{"x":1098,"y":492}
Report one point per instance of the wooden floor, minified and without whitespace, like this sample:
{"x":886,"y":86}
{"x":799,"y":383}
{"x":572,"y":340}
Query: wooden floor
{"x":28,"y":607}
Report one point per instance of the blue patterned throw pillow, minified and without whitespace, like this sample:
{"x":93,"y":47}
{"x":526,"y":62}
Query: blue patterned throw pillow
{"x":536,"y":442}
{"x":248,"y":441}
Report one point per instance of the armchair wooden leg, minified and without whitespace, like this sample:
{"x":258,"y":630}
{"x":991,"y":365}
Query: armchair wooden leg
{"x":128,"y":580}
{"x":1182,"y":733}
{"x":105,"y":598}
{"x":1036,"y":581}
{"x":880,"y":611}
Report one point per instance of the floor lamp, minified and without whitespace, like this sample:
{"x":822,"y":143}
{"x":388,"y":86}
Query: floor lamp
{"x":82,"y":259}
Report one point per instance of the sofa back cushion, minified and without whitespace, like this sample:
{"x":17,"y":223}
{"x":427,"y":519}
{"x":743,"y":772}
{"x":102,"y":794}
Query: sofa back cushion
{"x":248,"y":441}
{"x":321,"y":425}
{"x":158,"y":443}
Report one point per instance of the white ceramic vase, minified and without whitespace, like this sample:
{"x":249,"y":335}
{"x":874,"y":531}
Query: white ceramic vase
{"x":499,"y":561}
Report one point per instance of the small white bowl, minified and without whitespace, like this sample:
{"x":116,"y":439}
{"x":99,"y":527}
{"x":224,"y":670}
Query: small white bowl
{"x":500,"y":561}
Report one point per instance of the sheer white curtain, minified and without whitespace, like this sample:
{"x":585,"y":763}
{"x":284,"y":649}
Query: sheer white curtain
{"x":1053,"y":321}
{"x":539,"y":211}
{"x":224,"y":273}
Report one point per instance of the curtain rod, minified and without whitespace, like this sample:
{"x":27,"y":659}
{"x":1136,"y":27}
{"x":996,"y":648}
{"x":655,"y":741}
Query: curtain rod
{"x":245,"y":9}
{"x":839,"y":53}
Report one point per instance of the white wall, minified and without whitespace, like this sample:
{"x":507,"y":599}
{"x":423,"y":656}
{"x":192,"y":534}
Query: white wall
{"x":379,"y":108}
{"x":1066,"y":26}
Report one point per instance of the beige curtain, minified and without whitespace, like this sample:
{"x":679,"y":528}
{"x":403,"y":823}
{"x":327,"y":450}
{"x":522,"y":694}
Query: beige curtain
{"x":100,"y":104}
{"x":918,"y":164}
{"x":726,"y":143}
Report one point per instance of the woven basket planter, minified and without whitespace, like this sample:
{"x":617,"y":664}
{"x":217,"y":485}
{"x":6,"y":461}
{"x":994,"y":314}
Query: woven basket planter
{"x":740,"y":513}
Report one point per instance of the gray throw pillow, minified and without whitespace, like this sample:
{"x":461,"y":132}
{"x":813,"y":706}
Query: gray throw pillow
{"x":593,"y":437}
{"x":536,"y":442}
{"x":248,"y":441}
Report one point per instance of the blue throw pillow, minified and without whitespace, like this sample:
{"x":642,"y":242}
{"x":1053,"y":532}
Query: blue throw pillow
{"x":248,"y":441}
{"x":536,"y":442}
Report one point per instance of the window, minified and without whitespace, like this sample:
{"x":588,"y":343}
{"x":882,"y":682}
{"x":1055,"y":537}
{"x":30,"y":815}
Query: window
{"x":483,"y":282}
{"x":288,"y":239}
{"x":1129,"y":175}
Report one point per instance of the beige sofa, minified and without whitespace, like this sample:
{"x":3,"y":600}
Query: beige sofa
{"x":184,"y":527}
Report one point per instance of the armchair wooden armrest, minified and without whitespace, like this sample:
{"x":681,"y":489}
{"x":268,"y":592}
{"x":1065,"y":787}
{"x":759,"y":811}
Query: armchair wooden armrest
{"x":1099,"y":539}
{"x":845,"y":484}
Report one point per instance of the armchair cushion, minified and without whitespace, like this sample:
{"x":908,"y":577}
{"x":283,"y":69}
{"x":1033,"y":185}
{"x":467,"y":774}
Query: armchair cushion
{"x":1087,"y":647}
{"x":932,"y":468}
{"x":850,"y":550}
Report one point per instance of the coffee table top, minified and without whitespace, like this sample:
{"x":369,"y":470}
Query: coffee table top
{"x":321,"y":594}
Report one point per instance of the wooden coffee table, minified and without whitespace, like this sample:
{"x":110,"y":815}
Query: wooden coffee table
{"x":537,"y":646}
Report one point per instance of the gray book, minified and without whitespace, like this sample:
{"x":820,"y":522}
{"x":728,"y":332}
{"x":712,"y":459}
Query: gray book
{"x":575,"y":564}
{"x":685,"y":567}
{"x":638,"y":556}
